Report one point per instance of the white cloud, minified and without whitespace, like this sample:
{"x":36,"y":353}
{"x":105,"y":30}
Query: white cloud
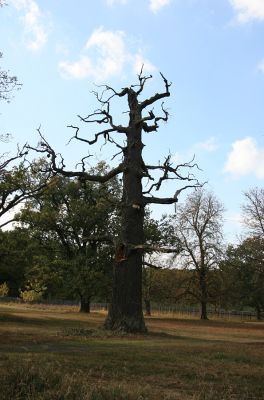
{"x":234,"y":217}
{"x":245,"y":158}
{"x":248,"y":10}
{"x":233,"y":225}
{"x":261,"y":66}
{"x":156,"y":5}
{"x":105,"y":55}
{"x":35,"y":33}
{"x":77,"y":70}
{"x":195,"y":151}
{"x":209,"y":145}
{"x":139,"y":61}
{"x":112,"y":2}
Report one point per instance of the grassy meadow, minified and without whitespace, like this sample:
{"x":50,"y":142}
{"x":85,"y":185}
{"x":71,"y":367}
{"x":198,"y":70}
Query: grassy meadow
{"x":56,"y":353}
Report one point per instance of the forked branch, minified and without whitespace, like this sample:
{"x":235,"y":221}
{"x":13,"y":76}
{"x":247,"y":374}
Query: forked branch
{"x":157,"y":96}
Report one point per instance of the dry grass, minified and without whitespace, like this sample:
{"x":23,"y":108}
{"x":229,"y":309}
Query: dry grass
{"x":56,"y":353}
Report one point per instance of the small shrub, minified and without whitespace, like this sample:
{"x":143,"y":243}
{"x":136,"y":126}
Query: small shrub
{"x":4,"y":289}
{"x":34,"y":292}
{"x":30,"y":296}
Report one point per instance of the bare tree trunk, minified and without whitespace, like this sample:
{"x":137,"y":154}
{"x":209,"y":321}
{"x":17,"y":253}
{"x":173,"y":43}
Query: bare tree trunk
{"x":85,"y":305}
{"x":204,"y":310}
{"x":203,"y":289}
{"x":258,"y":311}
{"x":125,"y":312}
{"x":148,"y":307}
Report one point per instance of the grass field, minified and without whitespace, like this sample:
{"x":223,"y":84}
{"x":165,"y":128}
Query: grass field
{"x":53,"y":353}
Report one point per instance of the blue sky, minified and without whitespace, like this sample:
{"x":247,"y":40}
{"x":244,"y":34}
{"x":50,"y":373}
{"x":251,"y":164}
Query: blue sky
{"x":211,"y":50}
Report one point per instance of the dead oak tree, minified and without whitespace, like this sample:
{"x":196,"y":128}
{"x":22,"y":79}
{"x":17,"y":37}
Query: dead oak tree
{"x":125,"y":311}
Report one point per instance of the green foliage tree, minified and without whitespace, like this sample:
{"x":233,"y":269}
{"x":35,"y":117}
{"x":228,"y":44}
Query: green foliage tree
{"x":81,"y":217}
{"x":19,"y":183}
{"x":17,"y":251}
{"x":165,"y":286}
{"x":243,"y":270}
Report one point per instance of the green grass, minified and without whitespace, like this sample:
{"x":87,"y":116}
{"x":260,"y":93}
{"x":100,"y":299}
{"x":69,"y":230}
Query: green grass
{"x":58,"y":354}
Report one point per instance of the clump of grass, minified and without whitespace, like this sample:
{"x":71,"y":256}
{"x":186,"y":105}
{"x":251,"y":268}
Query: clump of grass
{"x":77,"y":332}
{"x":223,"y":392}
{"x":32,"y":381}
{"x":96,"y":333}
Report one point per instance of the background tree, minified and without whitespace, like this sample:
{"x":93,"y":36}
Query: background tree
{"x":165,"y":286}
{"x":19,"y":183}
{"x":80,"y":216}
{"x":125,"y":312}
{"x":253,"y":211}
{"x":198,"y":226}
{"x":17,"y":250}
{"x":243,"y":270}
{"x":8,"y":84}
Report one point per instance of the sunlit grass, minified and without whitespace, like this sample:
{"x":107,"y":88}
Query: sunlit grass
{"x":60,"y":353}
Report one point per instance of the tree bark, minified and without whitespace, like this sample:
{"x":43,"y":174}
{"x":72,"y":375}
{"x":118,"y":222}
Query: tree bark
{"x":125,"y":312}
{"x":203,"y":290}
{"x":148,"y":307}
{"x":258,"y":312}
{"x":85,"y":305}
{"x":204,"y":310}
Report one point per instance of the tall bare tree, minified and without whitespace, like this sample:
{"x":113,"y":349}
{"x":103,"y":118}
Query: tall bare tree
{"x":126,"y":307}
{"x":253,"y":211}
{"x":198,"y":225}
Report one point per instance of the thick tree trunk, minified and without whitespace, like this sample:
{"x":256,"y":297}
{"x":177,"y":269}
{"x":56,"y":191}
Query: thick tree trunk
{"x":204,"y":310}
{"x":85,"y":305}
{"x":258,"y":311}
{"x":148,"y":307}
{"x":203,"y":290}
{"x":125,"y":312}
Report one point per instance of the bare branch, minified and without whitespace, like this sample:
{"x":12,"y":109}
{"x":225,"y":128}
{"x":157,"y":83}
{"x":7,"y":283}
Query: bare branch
{"x":151,"y":265}
{"x":104,"y":133}
{"x":45,"y":148}
{"x":147,"y":248}
{"x":142,"y":80}
{"x":7,"y":222}
{"x":169,"y":200}
{"x":155,"y":126}
{"x":157,"y":96}
{"x":82,"y":163}
{"x":4,"y":162}
{"x":171,"y":173}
